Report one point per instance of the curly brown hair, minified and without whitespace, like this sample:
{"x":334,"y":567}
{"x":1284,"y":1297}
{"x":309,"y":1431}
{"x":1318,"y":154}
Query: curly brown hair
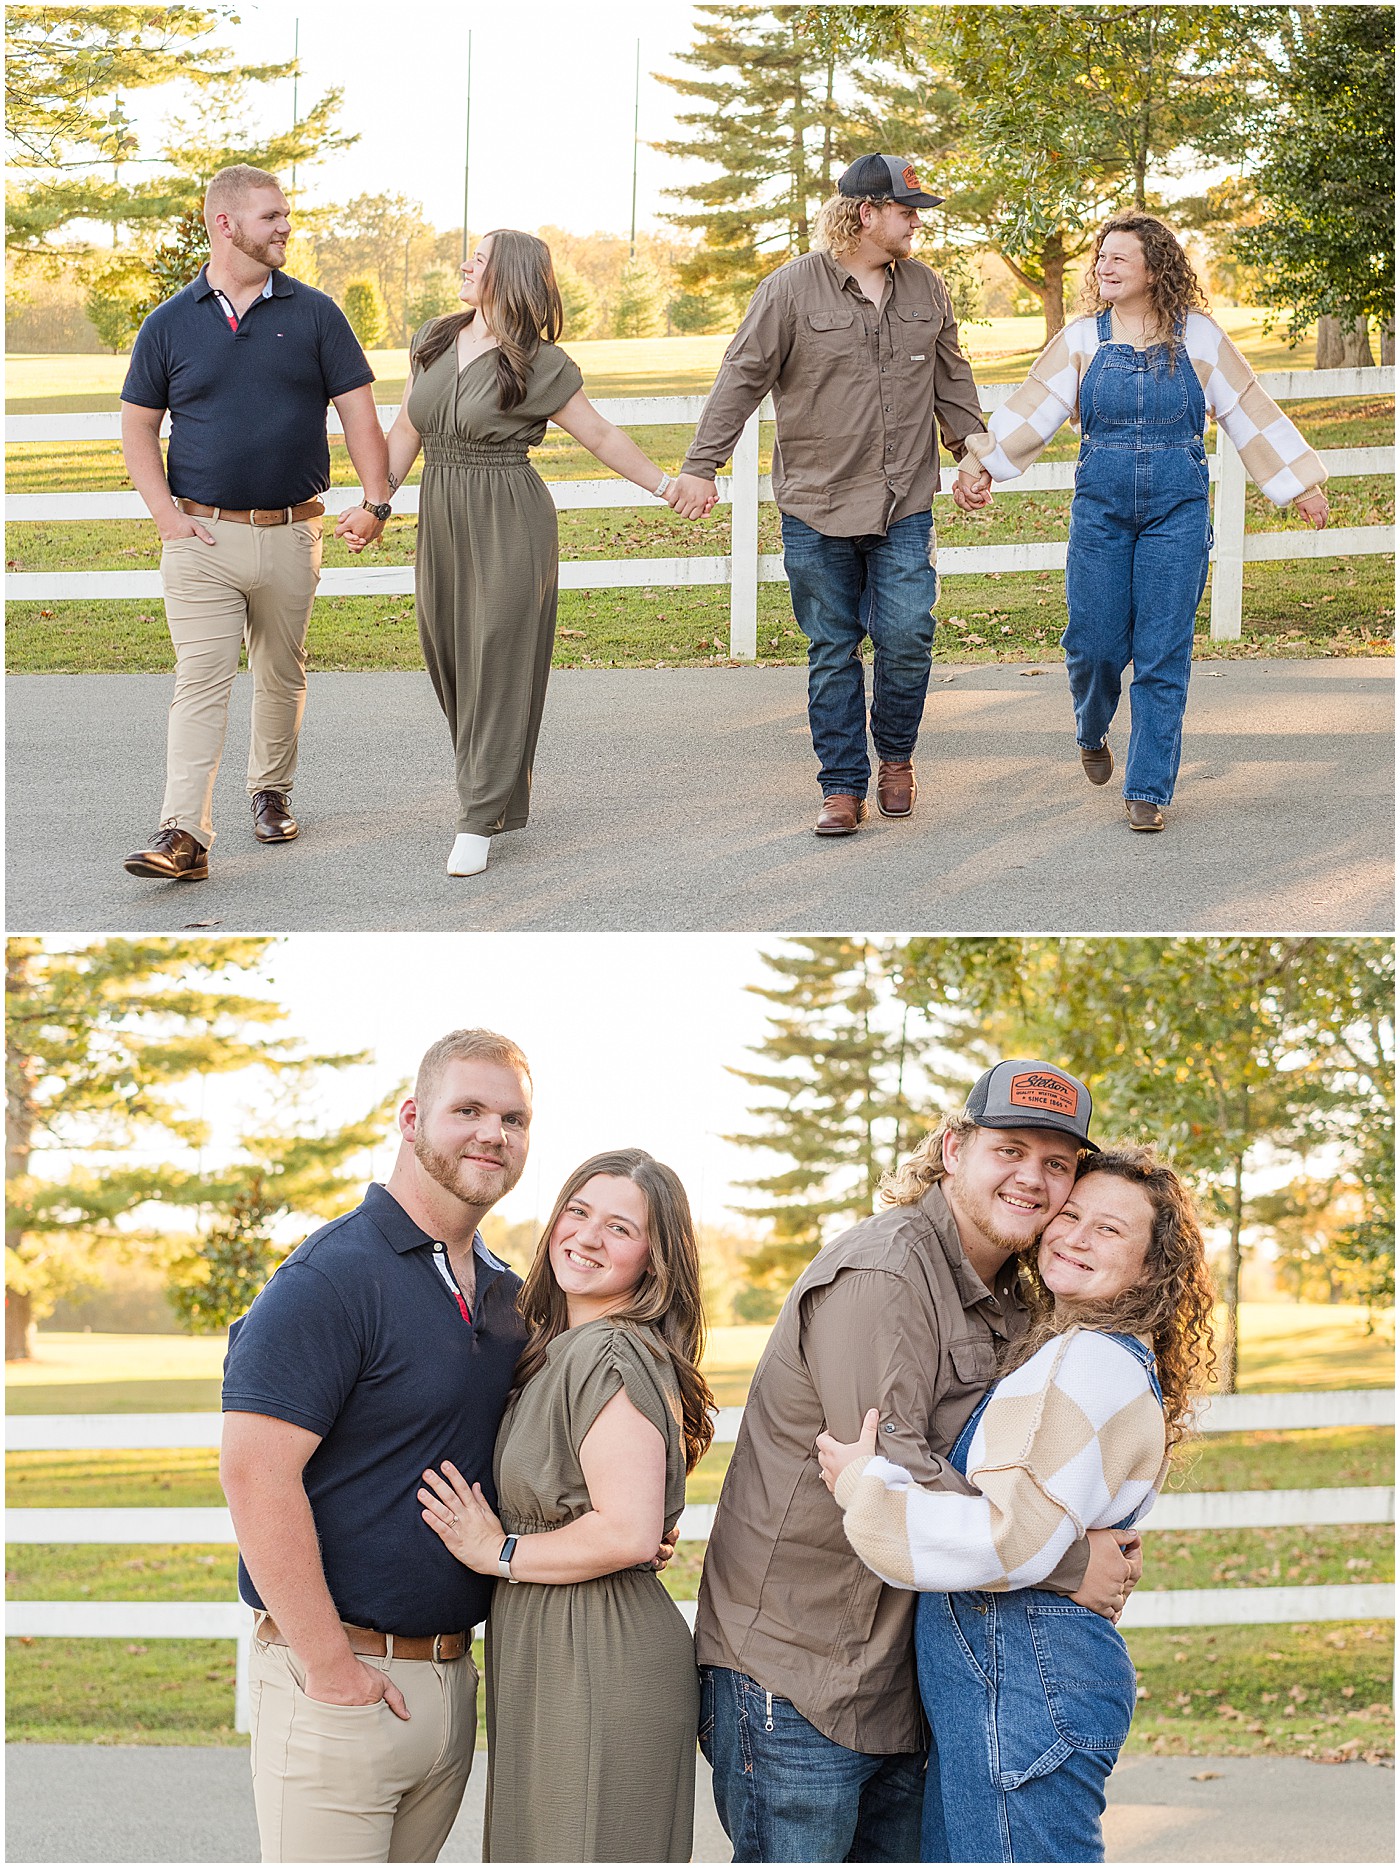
{"x":1171,"y":1303}
{"x":667,"y":1298}
{"x":1172,"y":282}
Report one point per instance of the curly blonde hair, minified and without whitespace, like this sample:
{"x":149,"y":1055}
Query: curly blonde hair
{"x":1170,"y":1304}
{"x":837,"y":228}
{"x":1171,"y":279}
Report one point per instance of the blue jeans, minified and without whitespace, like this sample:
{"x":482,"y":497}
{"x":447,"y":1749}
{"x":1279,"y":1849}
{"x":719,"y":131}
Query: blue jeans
{"x":787,"y":1793}
{"x":844,"y":589}
{"x":1029,"y":1697}
{"x":1139,"y":541}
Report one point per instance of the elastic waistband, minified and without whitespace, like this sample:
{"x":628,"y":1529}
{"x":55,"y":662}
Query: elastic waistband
{"x":462,"y":454}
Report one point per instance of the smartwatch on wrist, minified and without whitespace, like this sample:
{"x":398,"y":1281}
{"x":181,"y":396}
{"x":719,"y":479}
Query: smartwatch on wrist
{"x":503,"y":1560}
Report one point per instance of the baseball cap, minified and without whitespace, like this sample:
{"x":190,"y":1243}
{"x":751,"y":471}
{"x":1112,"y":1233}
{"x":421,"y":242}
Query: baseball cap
{"x":874,"y":177}
{"x":1024,"y":1093}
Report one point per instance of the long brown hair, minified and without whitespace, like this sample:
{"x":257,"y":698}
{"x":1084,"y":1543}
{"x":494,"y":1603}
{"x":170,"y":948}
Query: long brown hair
{"x":667,"y":1296}
{"x":520,"y":296}
{"x":1171,"y":279}
{"x":1171,"y":1302}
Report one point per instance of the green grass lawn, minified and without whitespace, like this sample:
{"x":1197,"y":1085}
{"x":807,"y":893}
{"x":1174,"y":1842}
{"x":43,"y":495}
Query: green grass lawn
{"x":1334,"y":607}
{"x":1209,"y":1690}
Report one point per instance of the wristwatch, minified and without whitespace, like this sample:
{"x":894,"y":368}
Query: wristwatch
{"x":503,"y":1560}
{"x":380,"y":512}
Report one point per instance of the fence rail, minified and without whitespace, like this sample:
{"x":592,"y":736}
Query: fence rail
{"x":56,"y":1433}
{"x":745,"y":567}
{"x":1162,"y":1608}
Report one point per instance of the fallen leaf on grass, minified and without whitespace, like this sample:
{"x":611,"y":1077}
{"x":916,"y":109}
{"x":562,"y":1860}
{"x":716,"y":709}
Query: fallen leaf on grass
{"x":573,"y":632}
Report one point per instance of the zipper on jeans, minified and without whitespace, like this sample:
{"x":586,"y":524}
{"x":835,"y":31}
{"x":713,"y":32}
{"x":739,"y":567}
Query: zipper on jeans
{"x":768,"y":1708}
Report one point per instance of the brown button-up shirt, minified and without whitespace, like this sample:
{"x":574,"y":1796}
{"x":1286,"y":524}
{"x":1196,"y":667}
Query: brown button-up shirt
{"x":857,"y":388}
{"x":889,"y":1315}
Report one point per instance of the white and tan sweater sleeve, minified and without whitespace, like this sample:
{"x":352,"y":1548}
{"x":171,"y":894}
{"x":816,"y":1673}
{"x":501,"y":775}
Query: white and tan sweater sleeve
{"x":1276,"y":457}
{"x":1072,"y":1440}
{"x":1020,"y":430}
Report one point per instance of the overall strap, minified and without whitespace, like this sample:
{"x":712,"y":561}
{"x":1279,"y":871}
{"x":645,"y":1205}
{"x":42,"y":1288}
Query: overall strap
{"x":1105,"y":325}
{"x":963,"y":1444}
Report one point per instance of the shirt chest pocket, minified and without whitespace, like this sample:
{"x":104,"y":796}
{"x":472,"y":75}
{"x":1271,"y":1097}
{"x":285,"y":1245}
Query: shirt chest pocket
{"x":830,"y":329}
{"x":974,"y":1361}
{"x":915,"y":334}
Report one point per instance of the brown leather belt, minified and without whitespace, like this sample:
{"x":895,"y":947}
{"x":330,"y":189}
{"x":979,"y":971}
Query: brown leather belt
{"x":370,"y":1641}
{"x":256,"y":515}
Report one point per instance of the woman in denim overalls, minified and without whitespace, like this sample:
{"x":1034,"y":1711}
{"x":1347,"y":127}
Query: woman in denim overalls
{"x":1029,"y":1695}
{"x":1141,"y":373}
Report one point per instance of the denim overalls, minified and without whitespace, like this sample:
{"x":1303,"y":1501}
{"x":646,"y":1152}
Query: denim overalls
{"x":1029,"y":1697}
{"x":1139,"y":541}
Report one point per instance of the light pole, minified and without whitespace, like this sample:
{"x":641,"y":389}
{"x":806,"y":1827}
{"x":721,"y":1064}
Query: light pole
{"x":467,"y":160}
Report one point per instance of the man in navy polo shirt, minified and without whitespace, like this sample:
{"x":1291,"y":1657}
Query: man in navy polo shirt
{"x":246,"y":360}
{"x":385,"y":1344}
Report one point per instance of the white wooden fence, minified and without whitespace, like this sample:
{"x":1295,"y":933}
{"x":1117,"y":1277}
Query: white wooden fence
{"x":743,"y":489}
{"x":1162,"y":1608}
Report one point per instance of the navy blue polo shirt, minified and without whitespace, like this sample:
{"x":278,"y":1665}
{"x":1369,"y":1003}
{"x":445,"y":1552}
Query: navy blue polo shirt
{"x":247,"y":407}
{"x":356,"y":1337}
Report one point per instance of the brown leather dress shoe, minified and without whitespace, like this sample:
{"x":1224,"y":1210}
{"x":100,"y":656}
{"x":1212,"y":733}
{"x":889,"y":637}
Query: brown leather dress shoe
{"x":896,"y":787}
{"x":272,"y":818}
{"x":174,"y":856}
{"x":1144,"y":815}
{"x":841,"y":814}
{"x":1097,"y":762}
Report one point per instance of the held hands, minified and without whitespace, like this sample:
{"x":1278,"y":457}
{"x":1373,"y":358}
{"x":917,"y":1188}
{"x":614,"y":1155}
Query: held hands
{"x":666,"y":1549}
{"x":352,"y":1683}
{"x":835,"y":1455}
{"x":358,"y":528}
{"x":1313,"y":507}
{"x":1115,"y":1568}
{"x":971,"y":491}
{"x":692,"y":496}
{"x":460,"y":1515}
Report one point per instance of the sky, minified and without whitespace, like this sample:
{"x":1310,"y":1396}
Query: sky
{"x":552,"y":98}
{"x":628,"y":1038}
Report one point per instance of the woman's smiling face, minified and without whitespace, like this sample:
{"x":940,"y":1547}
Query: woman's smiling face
{"x":600,"y":1245}
{"x":1096,"y":1246}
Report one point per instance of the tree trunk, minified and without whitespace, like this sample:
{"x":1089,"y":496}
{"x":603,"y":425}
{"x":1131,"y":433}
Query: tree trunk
{"x":1346,"y":345}
{"x":1227,"y":1367}
{"x":18,"y":1311}
{"x":1052,"y":292}
{"x":1388,"y":344}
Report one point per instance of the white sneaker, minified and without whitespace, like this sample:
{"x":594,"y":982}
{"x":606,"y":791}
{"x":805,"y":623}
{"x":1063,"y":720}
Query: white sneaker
{"x":470,"y":855}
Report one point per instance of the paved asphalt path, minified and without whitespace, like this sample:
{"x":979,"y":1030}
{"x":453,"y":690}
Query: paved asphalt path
{"x":684,"y":799}
{"x":147,"y":1803}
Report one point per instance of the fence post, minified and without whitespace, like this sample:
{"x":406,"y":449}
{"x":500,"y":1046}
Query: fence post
{"x":743,"y":543}
{"x":242,"y":1700}
{"x":1227,"y":578}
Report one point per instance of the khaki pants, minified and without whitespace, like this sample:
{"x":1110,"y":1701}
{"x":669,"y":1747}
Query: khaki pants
{"x":254,"y":584}
{"x":357,"y":1783}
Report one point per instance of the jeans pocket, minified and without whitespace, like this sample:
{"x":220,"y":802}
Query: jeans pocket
{"x":707,"y":1715}
{"x":1088,"y":1676}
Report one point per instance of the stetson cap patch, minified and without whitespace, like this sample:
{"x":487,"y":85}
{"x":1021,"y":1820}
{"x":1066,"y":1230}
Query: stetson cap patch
{"x":1039,"y":1090}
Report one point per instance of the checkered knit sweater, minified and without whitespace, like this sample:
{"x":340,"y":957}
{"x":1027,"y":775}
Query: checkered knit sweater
{"x":1071,"y":1441}
{"x":1275,"y":455}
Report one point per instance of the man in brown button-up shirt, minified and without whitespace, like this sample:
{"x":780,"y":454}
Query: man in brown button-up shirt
{"x":811,"y":1715}
{"x":859,"y":345}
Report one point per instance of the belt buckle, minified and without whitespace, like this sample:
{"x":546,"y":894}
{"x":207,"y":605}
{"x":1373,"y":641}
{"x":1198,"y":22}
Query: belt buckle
{"x":437,"y":1647}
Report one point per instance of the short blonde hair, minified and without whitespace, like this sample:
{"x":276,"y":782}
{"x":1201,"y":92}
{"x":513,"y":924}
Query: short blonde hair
{"x":469,"y":1044}
{"x":837,"y":228}
{"x":228,"y":190}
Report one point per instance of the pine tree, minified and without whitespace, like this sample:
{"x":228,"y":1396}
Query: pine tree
{"x":99,"y":1036}
{"x":770,"y":123}
{"x":840,"y":1107}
